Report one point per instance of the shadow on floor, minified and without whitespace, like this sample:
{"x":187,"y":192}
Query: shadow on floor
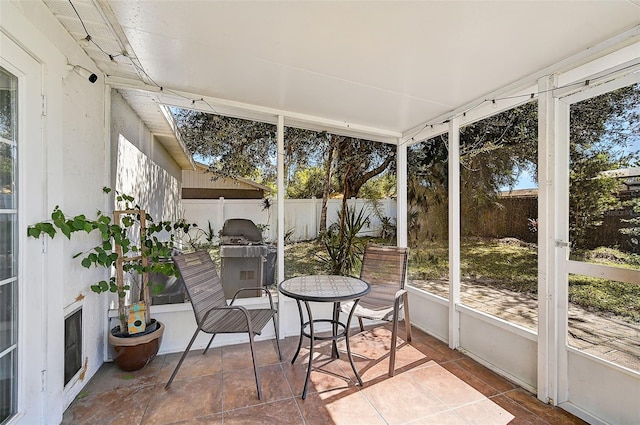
{"x":432,"y":385}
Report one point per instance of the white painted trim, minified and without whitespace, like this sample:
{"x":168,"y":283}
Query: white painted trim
{"x":431,"y":297}
{"x":30,"y":287}
{"x":591,"y":357}
{"x":401,"y":200}
{"x":176,"y":133}
{"x":513,"y":328}
{"x":601,"y":87}
{"x":619,"y":58}
{"x":497,"y":370}
{"x":582,"y":414}
{"x":454,"y":232}
{"x":424,"y":132}
{"x":604,"y":272}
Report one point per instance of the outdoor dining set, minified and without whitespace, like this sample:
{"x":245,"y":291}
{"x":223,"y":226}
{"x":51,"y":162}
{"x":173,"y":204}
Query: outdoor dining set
{"x":377,"y":294}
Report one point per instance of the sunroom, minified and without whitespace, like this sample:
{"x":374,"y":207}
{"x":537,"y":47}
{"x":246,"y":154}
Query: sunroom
{"x":404,"y":74}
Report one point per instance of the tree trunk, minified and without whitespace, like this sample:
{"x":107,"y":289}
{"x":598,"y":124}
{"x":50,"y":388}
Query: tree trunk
{"x":326,"y":191}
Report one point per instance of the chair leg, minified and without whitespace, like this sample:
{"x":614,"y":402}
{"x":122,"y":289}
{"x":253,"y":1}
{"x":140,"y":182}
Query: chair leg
{"x":394,"y":337}
{"x":407,"y":319}
{"x":209,"y":344}
{"x":275,"y":327}
{"x":255,"y":367}
{"x":184,"y":355}
{"x":361,"y":324}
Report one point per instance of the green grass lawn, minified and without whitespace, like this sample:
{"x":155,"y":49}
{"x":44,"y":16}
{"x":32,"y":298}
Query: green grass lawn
{"x":508,"y":264}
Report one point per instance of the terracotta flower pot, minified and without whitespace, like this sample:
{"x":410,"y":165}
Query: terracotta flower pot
{"x":135,"y":352}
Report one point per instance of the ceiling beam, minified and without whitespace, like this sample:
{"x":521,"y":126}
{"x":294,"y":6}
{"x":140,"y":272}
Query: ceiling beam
{"x":182,"y":99}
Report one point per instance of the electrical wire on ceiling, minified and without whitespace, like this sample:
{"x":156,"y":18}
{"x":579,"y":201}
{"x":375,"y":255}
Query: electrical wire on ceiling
{"x":526,"y":97}
{"x":88,"y":39}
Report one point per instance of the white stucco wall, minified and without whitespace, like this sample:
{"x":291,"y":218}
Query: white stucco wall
{"x":141,"y":167}
{"x":84,"y":173}
{"x":62,"y":164}
{"x":70,"y":159}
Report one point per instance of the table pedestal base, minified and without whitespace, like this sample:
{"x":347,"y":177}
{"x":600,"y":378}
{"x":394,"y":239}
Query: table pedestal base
{"x":339,"y":330}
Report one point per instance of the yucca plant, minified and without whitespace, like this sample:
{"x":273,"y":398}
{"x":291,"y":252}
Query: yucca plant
{"x":344,"y":249}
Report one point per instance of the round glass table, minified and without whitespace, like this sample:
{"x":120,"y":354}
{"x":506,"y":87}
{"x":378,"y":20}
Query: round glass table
{"x":324,"y":288}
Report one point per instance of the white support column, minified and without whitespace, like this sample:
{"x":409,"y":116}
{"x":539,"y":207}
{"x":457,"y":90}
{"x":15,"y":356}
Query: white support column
{"x":559,"y":286}
{"x":281,"y":190}
{"x":401,"y":201}
{"x":454,"y":232}
{"x":546,"y":224}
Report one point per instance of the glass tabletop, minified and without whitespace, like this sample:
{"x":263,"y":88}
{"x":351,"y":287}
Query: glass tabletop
{"x":324,"y":288}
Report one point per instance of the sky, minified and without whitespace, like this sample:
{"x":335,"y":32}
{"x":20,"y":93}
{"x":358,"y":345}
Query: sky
{"x":525,"y":181}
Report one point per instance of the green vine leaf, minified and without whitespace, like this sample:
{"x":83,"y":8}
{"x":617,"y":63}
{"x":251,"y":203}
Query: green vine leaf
{"x":155,"y":244}
{"x":66,"y":230}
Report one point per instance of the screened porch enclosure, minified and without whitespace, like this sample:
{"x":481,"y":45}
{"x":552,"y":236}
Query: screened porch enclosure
{"x":535,"y":353}
{"x":418,"y":77}
{"x":515,"y":322}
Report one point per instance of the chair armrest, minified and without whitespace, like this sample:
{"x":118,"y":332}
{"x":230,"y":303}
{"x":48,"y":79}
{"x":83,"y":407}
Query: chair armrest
{"x":400,"y":293}
{"x":265,"y":290}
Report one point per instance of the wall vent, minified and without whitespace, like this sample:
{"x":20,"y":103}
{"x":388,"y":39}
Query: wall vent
{"x":72,"y":345}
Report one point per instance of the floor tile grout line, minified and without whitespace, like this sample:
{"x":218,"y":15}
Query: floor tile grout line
{"x":374,"y":407}
{"x":146,"y":407}
{"x":293,"y":394}
{"x":448,"y":407}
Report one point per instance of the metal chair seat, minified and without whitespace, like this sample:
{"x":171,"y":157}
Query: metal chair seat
{"x":234,"y":321}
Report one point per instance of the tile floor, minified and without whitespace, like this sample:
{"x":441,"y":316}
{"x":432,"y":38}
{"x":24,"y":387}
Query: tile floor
{"x":432,"y":385}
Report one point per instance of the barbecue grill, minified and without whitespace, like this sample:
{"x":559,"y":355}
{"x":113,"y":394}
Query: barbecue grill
{"x":243,"y":255}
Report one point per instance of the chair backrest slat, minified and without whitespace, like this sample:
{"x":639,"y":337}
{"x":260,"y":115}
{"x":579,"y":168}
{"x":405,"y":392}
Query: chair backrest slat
{"x":385,"y":265}
{"x":202,"y":282}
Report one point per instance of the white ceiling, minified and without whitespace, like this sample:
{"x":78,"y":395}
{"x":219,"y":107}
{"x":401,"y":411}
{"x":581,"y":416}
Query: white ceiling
{"x":388,"y":65}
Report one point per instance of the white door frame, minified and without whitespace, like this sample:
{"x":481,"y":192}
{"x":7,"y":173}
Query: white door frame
{"x":32,"y":314}
{"x":560,"y":384}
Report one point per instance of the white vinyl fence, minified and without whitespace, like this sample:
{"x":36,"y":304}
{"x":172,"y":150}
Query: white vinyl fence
{"x":301,"y":216}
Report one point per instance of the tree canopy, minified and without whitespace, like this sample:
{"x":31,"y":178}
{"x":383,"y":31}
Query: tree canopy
{"x":237,"y":147}
{"x":496,"y":150}
{"x":603,"y":132}
{"x":316,"y":163}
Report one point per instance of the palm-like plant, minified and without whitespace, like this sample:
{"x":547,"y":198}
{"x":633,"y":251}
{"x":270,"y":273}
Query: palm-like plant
{"x":344,"y":249}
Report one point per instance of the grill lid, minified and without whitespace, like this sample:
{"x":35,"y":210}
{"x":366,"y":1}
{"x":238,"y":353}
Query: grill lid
{"x":240,"y":231}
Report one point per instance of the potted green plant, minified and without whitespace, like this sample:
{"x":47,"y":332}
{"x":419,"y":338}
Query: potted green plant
{"x":131,"y":242}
